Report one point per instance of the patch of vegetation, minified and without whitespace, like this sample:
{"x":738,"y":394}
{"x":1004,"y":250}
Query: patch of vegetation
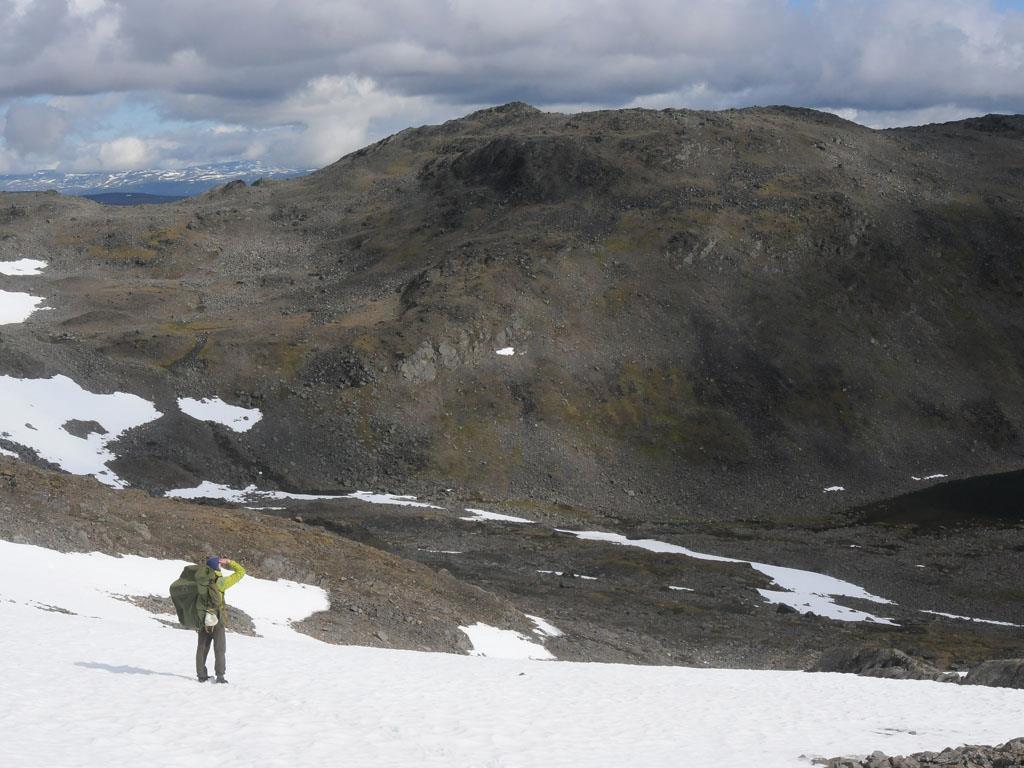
{"x":634,"y":232}
{"x":682,"y":608}
{"x":474,"y":437}
{"x":617,"y":300}
{"x":285,"y":358}
{"x":193,"y":327}
{"x":124,"y":254}
{"x":558,"y":510}
{"x":657,"y":410}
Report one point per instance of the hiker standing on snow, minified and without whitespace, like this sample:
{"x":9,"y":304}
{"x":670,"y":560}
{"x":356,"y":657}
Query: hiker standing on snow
{"x":216,"y":613}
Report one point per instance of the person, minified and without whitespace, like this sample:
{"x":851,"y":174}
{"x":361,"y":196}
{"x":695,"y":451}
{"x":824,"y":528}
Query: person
{"x":213,"y":633}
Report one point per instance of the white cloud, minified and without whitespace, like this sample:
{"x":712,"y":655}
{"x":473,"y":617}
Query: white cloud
{"x":308,"y":80}
{"x":940,"y":113}
{"x":8,"y":163}
{"x":126,"y":153}
{"x":316,"y":124}
{"x":85,"y":7}
{"x":336,"y":114}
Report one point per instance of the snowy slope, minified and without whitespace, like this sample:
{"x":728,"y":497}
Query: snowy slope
{"x":181,"y":181}
{"x":109,"y":683}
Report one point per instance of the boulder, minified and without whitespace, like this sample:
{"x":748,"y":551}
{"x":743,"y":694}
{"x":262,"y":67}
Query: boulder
{"x":998,"y":673}
{"x":880,"y":662}
{"x":420,"y":366}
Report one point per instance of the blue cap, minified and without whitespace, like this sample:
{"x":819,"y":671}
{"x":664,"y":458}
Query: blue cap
{"x":213,"y":562}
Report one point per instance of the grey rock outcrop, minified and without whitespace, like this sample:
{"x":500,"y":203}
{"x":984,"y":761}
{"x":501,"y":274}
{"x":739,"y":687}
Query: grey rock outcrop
{"x":999,"y":673}
{"x":889,"y":663}
{"x":1008,"y":755}
{"x":420,"y":366}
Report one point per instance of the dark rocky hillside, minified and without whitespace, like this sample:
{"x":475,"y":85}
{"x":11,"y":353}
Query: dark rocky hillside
{"x":715,"y":316}
{"x":720,"y":312}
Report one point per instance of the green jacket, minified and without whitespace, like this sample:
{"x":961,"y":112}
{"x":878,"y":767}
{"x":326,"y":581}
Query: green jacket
{"x":217,"y":604}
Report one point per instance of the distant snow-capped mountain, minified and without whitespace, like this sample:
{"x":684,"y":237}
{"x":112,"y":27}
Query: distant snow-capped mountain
{"x":181,"y":182}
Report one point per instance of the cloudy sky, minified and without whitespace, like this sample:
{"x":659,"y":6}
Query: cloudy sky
{"x":119,"y":84}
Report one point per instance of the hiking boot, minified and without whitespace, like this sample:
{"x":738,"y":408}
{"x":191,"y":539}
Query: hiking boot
{"x":203,"y":679}
{"x":220,"y":679}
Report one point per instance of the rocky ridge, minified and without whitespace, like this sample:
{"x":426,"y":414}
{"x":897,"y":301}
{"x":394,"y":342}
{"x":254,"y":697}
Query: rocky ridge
{"x":1008,"y":755}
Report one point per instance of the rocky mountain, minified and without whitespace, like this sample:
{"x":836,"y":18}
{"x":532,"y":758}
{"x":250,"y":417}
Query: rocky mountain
{"x":182,"y":182}
{"x":732,"y":334}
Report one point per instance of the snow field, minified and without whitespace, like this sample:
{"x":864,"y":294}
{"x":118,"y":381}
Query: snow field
{"x":80,"y":692}
{"x":108,"y":683}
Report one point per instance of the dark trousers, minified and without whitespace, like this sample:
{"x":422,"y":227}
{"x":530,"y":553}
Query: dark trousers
{"x":219,"y":642}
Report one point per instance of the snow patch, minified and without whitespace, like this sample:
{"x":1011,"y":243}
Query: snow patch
{"x":810,"y":592}
{"x":22,"y":267}
{"x":216,"y":410}
{"x":18,"y":307}
{"x":681,"y":589}
{"x":503,"y":643}
{"x":544,"y":628}
{"x":805,"y":591}
{"x":928,"y":477}
{"x":208,"y":490}
{"x":505,"y":351}
{"x":574,"y":575}
{"x":971,"y":618}
{"x":250,"y":494}
{"x":36,"y":410}
{"x":11,"y":454}
{"x":481,"y":515}
{"x":833,"y":489}
{"x":390,"y":498}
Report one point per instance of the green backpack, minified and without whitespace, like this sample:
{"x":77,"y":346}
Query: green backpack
{"x":191,"y":594}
